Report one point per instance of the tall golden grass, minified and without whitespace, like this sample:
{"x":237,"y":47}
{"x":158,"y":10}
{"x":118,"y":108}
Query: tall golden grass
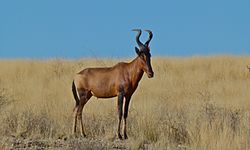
{"x":191,"y":103}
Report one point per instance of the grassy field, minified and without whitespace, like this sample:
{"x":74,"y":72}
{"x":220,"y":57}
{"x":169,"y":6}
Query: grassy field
{"x":191,"y":103}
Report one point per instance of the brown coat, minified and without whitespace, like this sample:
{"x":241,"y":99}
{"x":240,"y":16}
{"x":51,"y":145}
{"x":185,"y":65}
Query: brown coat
{"x":120,"y":80}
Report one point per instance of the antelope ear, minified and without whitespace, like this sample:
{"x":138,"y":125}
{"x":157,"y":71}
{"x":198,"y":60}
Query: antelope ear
{"x":138,"y":52}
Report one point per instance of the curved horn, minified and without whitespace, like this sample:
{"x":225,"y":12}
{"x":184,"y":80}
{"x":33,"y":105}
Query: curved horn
{"x":150,"y":37}
{"x":138,"y":36}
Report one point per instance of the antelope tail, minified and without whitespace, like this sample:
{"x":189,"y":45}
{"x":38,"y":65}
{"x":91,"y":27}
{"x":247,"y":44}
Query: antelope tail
{"x":75,"y":93}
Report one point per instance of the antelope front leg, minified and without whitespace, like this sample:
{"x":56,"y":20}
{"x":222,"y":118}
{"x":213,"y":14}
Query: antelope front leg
{"x":119,"y":107}
{"x":125,"y":115}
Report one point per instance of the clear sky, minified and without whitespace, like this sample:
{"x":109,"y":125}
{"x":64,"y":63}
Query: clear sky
{"x":75,"y":29}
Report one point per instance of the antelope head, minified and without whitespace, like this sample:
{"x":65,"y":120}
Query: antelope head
{"x":144,"y":52}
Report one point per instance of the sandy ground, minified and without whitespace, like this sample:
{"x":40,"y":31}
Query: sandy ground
{"x":72,"y":143}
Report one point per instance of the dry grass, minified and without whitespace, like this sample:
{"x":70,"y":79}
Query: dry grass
{"x":192,"y":103}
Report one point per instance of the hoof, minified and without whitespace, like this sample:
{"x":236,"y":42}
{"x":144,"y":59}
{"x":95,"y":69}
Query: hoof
{"x":83,"y":135}
{"x":125,"y":137}
{"x":119,"y":136}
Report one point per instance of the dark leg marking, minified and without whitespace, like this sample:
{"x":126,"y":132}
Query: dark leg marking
{"x":119,"y":107}
{"x":125,"y":115}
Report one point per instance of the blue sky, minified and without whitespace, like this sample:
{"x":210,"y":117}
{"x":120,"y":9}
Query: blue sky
{"x":75,"y":29}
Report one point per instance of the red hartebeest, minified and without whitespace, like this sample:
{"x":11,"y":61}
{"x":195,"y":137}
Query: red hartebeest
{"x":120,"y":80}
